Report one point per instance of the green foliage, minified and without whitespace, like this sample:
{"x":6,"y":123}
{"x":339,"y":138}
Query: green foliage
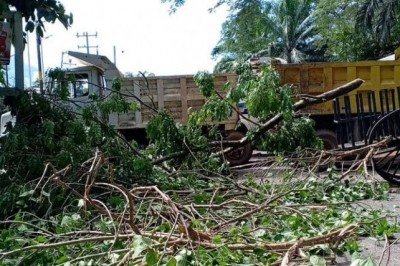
{"x":2,"y":77}
{"x":48,"y":132}
{"x":277,"y":224}
{"x":245,"y":32}
{"x":165,"y":134}
{"x":215,"y":108}
{"x":343,"y":37}
{"x":59,"y":83}
{"x":205,"y":82}
{"x":381,"y":19}
{"x":187,"y":142}
{"x":264,"y":98}
{"x":38,"y":11}
{"x":115,"y":103}
{"x":174,"y":4}
{"x":291,"y":135}
{"x":298,"y":30}
{"x":282,"y":28}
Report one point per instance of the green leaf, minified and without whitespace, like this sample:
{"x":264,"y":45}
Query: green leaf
{"x":172,"y":262}
{"x":46,"y":194}
{"x":22,"y":228}
{"x":26,"y":193}
{"x":352,"y":246}
{"x":76,"y":217}
{"x":41,"y":239}
{"x":217,"y":239}
{"x":30,"y":26}
{"x":62,"y":260}
{"x":151,"y":258}
{"x":205,"y":82}
{"x":139,"y":244}
{"x":363,"y":262}
{"x":133,"y":107}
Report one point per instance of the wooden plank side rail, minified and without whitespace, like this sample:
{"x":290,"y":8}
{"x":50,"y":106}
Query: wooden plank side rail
{"x":138,"y":113}
{"x":174,"y":94}
{"x":160,"y":94}
{"x":184,"y":100}
{"x":178,"y":94}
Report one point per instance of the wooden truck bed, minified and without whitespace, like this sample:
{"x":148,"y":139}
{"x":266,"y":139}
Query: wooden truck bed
{"x":178,"y":95}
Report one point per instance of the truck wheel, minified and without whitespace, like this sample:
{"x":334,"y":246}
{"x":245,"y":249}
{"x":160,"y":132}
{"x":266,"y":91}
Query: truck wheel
{"x":328,"y":138}
{"x":240,"y":155}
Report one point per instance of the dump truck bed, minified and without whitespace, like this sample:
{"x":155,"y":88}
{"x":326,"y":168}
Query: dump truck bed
{"x":177,"y":95}
{"x":316,"y":78}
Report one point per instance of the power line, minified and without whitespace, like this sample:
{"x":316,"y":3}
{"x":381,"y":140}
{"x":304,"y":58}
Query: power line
{"x":86,"y":35}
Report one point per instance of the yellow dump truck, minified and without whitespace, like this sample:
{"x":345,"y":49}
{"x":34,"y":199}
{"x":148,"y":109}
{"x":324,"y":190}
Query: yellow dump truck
{"x":178,"y":95}
{"x":316,"y":78}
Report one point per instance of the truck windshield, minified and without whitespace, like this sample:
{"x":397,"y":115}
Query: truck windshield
{"x":80,"y":86}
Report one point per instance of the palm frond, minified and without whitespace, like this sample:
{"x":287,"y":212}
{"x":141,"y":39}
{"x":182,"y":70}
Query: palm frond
{"x":367,"y":12}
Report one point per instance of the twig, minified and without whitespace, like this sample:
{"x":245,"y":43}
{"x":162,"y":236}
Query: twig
{"x":384,"y":250}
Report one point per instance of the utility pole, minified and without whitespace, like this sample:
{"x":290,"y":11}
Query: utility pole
{"x":115,"y":55}
{"x":29,"y":60}
{"x":19,"y":51}
{"x":86,"y":35}
{"x":40,"y":61}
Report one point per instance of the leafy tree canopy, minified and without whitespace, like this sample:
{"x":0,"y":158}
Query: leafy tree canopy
{"x":380,"y":17}
{"x":284,"y":28}
{"x":38,"y":11}
{"x":347,"y":37}
{"x":306,"y":30}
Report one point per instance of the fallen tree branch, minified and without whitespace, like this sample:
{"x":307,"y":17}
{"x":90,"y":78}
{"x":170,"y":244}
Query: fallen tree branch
{"x":321,"y":98}
{"x":178,"y":241}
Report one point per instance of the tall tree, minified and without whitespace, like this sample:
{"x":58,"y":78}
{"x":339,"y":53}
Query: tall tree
{"x":284,"y":28}
{"x":381,"y":17}
{"x":294,"y":25}
{"x":344,"y":38}
{"x":244,"y":32}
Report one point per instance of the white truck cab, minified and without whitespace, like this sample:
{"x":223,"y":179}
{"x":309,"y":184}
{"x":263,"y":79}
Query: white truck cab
{"x":96,"y":74}
{"x":5,"y":118}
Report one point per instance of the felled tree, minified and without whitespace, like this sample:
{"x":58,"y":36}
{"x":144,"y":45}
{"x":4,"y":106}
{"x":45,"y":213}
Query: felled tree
{"x":264,"y":98}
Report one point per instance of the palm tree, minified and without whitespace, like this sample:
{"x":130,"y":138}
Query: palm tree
{"x":379,"y":16}
{"x":283,"y":28}
{"x":293,"y":23}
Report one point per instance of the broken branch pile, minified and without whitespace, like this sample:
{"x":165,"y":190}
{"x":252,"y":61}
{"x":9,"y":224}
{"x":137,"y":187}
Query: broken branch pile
{"x":262,"y":221}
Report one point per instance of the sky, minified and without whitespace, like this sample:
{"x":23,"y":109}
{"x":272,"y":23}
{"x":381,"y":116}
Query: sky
{"x":146,"y":36}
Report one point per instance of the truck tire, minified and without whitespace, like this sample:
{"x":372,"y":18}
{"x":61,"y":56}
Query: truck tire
{"x":328,"y":138}
{"x":239,"y":155}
